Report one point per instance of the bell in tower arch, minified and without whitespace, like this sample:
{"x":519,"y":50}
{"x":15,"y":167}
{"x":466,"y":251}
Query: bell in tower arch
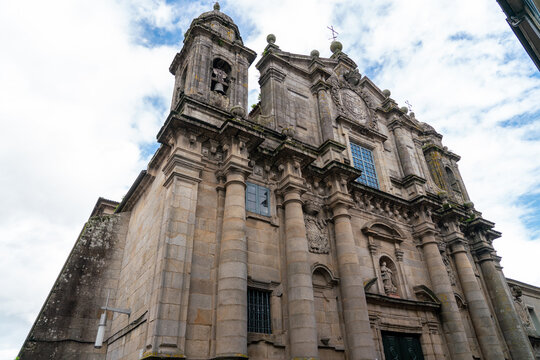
{"x":220,"y":76}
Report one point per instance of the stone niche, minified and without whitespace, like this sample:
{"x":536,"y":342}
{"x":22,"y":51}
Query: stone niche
{"x":328,"y":318}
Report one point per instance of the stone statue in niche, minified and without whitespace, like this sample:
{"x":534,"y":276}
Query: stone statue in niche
{"x":522,"y":310}
{"x":388,"y":281}
{"x":316,"y":232}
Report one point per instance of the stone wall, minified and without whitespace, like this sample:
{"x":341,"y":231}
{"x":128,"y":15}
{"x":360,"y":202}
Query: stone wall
{"x":67,"y":324}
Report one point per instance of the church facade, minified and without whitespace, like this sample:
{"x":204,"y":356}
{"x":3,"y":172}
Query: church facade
{"x":328,"y":223}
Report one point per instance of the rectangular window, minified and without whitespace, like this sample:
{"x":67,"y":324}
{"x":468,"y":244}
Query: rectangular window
{"x":257,"y":199}
{"x":363,"y":160}
{"x":259,"y":320}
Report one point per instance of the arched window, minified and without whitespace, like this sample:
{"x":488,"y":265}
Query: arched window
{"x":221,"y":72}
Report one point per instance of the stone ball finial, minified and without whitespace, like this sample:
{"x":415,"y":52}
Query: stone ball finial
{"x":238,"y":111}
{"x":271,"y":39}
{"x":216,"y":6}
{"x":336,"y":47}
{"x":386,"y":93}
{"x":314,"y":53}
{"x":404,"y":109}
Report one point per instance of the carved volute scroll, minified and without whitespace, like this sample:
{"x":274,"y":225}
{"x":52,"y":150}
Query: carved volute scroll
{"x":316,"y":229}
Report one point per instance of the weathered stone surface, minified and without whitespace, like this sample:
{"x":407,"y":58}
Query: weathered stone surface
{"x":341,"y":265}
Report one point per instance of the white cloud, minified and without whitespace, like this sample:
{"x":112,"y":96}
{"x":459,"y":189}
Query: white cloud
{"x":73,"y":112}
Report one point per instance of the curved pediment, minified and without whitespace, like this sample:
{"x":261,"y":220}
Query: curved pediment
{"x":384,"y":230}
{"x":423,"y":293}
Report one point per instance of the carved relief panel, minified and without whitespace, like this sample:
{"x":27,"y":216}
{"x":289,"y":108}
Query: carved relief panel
{"x":316,"y":229}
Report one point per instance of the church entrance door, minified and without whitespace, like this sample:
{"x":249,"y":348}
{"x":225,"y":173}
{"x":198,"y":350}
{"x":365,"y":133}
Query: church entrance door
{"x":399,"y":346}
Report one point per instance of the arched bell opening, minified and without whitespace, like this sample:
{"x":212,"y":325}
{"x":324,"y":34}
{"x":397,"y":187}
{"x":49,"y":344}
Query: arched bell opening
{"x":221,"y":72}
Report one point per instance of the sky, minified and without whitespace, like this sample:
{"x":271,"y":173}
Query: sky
{"x":85,"y":87}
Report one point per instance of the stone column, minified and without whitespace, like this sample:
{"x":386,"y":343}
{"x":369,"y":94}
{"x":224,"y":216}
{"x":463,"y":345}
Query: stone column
{"x":514,"y":334}
{"x":355,"y":313}
{"x":231,"y":326}
{"x":478,"y":307}
{"x":302,"y":323}
{"x":451,"y":318}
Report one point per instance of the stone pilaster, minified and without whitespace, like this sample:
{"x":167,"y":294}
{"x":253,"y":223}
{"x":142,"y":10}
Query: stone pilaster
{"x":327,"y":129}
{"x":170,"y":290}
{"x":476,"y":302}
{"x":514,"y":334}
{"x":231,"y":318}
{"x":403,"y":152}
{"x":453,"y":328}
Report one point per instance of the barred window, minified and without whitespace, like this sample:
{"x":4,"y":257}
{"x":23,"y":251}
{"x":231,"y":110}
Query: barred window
{"x":259,"y":320}
{"x":363,"y":160}
{"x":257,"y":199}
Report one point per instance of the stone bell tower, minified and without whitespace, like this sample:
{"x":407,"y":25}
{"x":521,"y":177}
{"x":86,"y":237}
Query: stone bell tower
{"x":212,"y":66}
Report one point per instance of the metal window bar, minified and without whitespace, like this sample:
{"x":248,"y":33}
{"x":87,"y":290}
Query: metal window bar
{"x":259,"y":320}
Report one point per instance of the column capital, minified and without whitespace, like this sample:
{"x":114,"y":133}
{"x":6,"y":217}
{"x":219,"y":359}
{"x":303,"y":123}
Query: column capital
{"x":340,"y":204}
{"x":458,"y":246}
{"x":424,"y":230}
{"x":292,"y":194}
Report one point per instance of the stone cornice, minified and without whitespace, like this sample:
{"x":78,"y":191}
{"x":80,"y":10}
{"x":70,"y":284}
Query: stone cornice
{"x":272,"y":73}
{"x":433,"y":147}
{"x":402,"y":303}
{"x":159,"y":156}
{"x":401,"y":120}
{"x":136,"y":190}
{"x":361,"y":128}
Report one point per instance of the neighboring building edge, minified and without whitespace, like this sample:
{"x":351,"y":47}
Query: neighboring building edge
{"x":523,"y":17}
{"x":328,"y":223}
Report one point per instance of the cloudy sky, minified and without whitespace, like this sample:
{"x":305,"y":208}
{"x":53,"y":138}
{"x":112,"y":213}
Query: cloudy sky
{"x":84,"y":88}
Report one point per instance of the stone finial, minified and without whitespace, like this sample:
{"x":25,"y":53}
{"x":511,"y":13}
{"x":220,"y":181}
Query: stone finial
{"x":238,"y":112}
{"x":216,"y":6}
{"x":404,"y":109}
{"x":271,"y":39}
{"x":386,"y":93}
{"x":314,"y":53}
{"x":336,"y":47}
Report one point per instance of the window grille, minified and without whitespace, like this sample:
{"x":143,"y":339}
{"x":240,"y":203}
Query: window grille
{"x":259,"y":320}
{"x":363,"y":160}
{"x":258,"y":199}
